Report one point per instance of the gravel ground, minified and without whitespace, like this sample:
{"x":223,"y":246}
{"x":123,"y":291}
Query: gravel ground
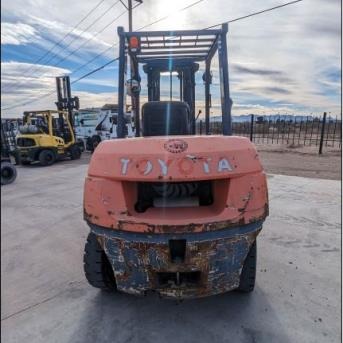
{"x":301,"y":161}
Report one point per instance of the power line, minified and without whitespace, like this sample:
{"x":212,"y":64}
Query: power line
{"x":102,"y":52}
{"x":88,"y":27}
{"x":37,"y":68}
{"x":29,"y":101}
{"x":94,"y":58}
{"x":113,"y":45}
{"x":81,"y":67}
{"x":65,"y":36}
{"x":78,"y":48}
{"x":255,"y":13}
{"x":95,"y":70}
{"x":141,"y":28}
{"x":113,"y":60}
{"x":52,"y":92}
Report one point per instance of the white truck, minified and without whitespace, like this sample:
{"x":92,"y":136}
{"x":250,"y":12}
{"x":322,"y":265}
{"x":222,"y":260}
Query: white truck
{"x":97,"y":124}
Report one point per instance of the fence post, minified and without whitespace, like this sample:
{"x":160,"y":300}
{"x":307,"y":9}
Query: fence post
{"x":252,"y":128}
{"x":200,"y":128}
{"x":322,"y":134}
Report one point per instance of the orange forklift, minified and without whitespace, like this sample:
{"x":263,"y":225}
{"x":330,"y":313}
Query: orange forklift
{"x":169,"y":211}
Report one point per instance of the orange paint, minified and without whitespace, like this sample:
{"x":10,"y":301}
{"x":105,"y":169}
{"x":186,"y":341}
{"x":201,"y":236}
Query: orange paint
{"x":239,"y":183}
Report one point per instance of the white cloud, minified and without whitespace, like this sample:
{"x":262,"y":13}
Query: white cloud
{"x":79,"y":36}
{"x":17,"y":33}
{"x":18,"y":87}
{"x":88,"y":100}
{"x":99,"y":82}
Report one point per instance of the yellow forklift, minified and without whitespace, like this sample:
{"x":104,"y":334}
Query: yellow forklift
{"x":47,"y":136}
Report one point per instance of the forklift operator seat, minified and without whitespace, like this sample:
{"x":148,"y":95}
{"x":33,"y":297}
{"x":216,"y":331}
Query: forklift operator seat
{"x":160,"y":118}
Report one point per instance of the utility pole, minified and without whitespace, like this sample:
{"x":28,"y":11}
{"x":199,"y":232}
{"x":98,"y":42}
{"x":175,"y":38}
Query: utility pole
{"x":134,"y":100}
{"x":130,"y":15}
{"x":129,"y":9}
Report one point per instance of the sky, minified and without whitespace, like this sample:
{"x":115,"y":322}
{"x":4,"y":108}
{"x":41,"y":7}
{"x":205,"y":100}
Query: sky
{"x":287,"y":61}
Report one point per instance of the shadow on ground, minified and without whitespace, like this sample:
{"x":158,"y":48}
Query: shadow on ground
{"x":230,"y":317}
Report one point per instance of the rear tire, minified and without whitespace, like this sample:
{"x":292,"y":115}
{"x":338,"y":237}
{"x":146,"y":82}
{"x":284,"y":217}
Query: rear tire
{"x":8,"y":173}
{"x":81,"y":145}
{"x":97,"y":268}
{"x":75,"y":152}
{"x":47,"y":157}
{"x":248,"y":275}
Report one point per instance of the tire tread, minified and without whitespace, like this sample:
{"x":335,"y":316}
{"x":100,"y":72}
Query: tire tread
{"x":97,"y":268}
{"x":248,"y":274}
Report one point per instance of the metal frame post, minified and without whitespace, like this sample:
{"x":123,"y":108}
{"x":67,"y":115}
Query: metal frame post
{"x":180,"y":74}
{"x":121,"y":80}
{"x":170,"y":85}
{"x":322,"y":134}
{"x":59,"y":93}
{"x":193,"y":101}
{"x":226,"y":101}
{"x":207,"y":98}
{"x":252,"y":128}
{"x":150,"y":85}
{"x":136,"y":108}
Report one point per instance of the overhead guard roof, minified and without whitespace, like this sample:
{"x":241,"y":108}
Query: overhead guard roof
{"x":191,"y":45}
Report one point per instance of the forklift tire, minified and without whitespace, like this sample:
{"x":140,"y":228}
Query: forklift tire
{"x":8,"y":173}
{"x":97,"y":268}
{"x":248,"y":275}
{"x":46,"y":157}
{"x":81,"y":145}
{"x":75,"y":152}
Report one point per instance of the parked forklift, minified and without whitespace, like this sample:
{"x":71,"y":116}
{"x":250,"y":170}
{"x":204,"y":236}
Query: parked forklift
{"x":8,"y":156}
{"x":48,"y":136}
{"x":170,"y":211}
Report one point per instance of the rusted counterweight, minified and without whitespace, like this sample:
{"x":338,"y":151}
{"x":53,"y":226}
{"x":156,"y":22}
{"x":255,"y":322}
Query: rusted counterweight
{"x":177,"y":251}
{"x":212,"y":261}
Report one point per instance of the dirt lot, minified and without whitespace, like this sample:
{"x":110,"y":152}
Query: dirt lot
{"x":301,"y":161}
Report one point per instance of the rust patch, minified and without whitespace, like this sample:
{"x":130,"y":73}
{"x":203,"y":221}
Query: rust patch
{"x":193,"y":227}
{"x":138,"y":264}
{"x":87,"y":216}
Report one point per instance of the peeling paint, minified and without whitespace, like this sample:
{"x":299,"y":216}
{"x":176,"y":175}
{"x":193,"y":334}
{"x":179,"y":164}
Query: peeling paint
{"x":137,"y":261}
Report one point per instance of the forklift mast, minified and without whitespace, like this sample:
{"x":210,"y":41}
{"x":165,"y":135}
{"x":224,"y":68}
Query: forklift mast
{"x":174,"y":52}
{"x":5,"y":146}
{"x":65,"y":102}
{"x":8,"y":138}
